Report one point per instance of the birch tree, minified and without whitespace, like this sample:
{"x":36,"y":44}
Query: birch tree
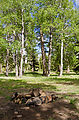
{"x":65,"y":20}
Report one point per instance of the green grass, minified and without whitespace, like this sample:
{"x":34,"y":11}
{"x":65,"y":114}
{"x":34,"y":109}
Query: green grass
{"x":68,"y":84}
{"x":73,"y":101}
{"x":51,"y":119}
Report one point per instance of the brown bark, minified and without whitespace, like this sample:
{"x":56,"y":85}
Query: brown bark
{"x":24,"y":65}
{"x":32,"y":68}
{"x":50,"y":50}
{"x":32,"y":63}
{"x":43,"y":53}
{"x":68,"y":69}
{"x":0,"y":67}
{"x":7,"y":57}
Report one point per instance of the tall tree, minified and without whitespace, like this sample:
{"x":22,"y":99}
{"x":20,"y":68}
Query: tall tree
{"x":43,"y":53}
{"x":39,"y":15}
{"x":14,"y":17}
{"x":50,"y":14}
{"x":50,"y":50}
{"x":21,"y":64}
{"x":64,"y":21}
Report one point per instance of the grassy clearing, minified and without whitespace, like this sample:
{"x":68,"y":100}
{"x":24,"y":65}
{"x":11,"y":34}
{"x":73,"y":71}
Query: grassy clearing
{"x":67,"y":86}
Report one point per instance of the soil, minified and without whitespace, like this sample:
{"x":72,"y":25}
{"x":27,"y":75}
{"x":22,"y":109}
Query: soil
{"x":58,"y":110}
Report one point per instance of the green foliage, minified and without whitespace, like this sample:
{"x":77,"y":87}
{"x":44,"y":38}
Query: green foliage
{"x":57,"y":14}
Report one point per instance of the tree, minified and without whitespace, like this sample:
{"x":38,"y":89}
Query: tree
{"x":51,"y":8}
{"x":65,"y":24}
{"x":38,"y":14}
{"x":14,"y":18}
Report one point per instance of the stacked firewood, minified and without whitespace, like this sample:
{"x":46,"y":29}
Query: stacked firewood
{"x":34,"y":97}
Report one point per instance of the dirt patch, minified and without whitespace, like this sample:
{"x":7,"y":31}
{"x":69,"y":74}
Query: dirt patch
{"x":58,"y":110}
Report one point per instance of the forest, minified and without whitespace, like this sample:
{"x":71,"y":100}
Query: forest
{"x":39,"y":36}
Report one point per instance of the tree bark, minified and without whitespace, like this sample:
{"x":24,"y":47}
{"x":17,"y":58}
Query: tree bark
{"x":61,"y":67}
{"x":16,"y":62}
{"x":7,"y":57}
{"x":50,"y":50}
{"x":43,"y":53}
{"x":24,"y":65}
{"x":21,"y":64}
{"x":16,"y":57}
{"x":68,"y":69}
{"x":32,"y":68}
{"x":0,"y":67}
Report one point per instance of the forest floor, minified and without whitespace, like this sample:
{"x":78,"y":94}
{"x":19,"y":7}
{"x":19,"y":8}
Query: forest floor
{"x":65,"y":108}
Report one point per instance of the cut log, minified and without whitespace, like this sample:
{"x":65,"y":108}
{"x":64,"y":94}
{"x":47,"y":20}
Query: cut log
{"x":35,"y":97}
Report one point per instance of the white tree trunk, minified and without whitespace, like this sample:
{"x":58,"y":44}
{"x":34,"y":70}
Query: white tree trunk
{"x":50,"y":50}
{"x":61,"y":67}
{"x":21,"y":64}
{"x":16,"y":67}
{"x":16,"y":58}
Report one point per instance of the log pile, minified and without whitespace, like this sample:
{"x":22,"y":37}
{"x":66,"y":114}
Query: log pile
{"x":34,"y":97}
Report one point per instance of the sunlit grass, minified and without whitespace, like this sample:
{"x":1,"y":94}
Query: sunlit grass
{"x":68,"y":84}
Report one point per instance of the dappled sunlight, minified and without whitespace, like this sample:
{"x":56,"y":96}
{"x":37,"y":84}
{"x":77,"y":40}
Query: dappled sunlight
{"x":20,"y":85}
{"x":62,"y":109}
{"x":57,"y":110}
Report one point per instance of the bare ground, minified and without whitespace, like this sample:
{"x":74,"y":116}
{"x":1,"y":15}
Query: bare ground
{"x":58,"y":110}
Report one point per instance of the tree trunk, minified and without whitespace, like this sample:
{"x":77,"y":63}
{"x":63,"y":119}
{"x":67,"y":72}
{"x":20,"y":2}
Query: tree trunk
{"x":16,"y":57}
{"x":50,"y":50}
{"x":16,"y":62}
{"x":32,"y":63}
{"x":19,"y":69}
{"x":68,"y":69}
{"x":24,"y":65}
{"x":0,"y":67}
{"x":61,"y":67}
{"x":32,"y":68}
{"x":43,"y":53}
{"x":21,"y":64}
{"x":7,"y":57}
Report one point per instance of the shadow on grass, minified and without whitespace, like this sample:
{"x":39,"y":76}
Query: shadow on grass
{"x":33,"y":74}
{"x":54,"y":75}
{"x":9,"y":75}
{"x":36,"y":74}
{"x":58,"y":80}
{"x":2,"y":75}
{"x":67,"y":81}
{"x":72,"y":73}
{"x":27,"y":74}
{"x":7,"y":86}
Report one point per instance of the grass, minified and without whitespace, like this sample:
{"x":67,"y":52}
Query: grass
{"x":73,"y":101}
{"x":67,"y":85}
{"x":51,"y":119}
